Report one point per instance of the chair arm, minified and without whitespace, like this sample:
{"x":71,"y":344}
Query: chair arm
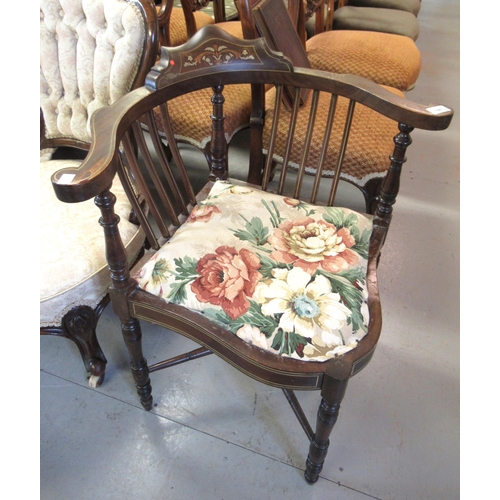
{"x":96,"y":173}
{"x":377,"y":97}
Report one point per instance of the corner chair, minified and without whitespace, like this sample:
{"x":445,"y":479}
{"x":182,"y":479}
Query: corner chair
{"x":278,"y":282}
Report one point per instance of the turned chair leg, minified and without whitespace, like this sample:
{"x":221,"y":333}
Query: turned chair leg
{"x":116,"y":256}
{"x":328,"y":413}
{"x":132,"y":336}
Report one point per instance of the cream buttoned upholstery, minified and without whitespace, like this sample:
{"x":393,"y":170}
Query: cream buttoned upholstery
{"x":91,"y":52}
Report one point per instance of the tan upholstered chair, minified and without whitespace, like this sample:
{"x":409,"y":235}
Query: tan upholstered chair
{"x":179,"y":20}
{"x":385,"y":58}
{"x":274,"y":279}
{"x":91,"y":54}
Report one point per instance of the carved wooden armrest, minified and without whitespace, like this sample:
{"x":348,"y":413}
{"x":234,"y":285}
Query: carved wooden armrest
{"x":97,"y":171}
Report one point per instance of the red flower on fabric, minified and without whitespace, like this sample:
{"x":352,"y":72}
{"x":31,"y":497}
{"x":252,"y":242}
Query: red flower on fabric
{"x":227,"y":278}
{"x":310,"y":244}
{"x":203,"y":213}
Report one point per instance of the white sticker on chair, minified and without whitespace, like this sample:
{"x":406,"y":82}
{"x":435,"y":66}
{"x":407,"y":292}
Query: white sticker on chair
{"x":66,"y":178}
{"x":437,"y":110}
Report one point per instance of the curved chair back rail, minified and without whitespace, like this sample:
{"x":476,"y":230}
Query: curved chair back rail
{"x":224,"y":269}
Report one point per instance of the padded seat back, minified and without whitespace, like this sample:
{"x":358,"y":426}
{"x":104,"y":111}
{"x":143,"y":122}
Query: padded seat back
{"x":90,"y":54}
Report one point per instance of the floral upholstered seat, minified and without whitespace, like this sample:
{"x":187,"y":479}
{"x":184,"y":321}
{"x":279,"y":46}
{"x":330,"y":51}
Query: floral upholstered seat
{"x":290,"y":279}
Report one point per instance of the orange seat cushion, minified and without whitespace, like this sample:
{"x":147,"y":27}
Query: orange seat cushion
{"x":190,"y":114}
{"x":384,"y":58}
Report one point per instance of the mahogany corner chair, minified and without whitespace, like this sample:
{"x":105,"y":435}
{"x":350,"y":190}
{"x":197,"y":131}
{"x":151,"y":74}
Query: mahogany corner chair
{"x":91,"y":54}
{"x":275,"y":279}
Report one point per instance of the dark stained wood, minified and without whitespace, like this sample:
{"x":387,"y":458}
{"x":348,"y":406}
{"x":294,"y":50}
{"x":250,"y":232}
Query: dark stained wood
{"x":115,"y":126}
{"x":79,"y":325}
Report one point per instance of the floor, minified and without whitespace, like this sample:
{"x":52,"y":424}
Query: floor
{"x":213,"y":434}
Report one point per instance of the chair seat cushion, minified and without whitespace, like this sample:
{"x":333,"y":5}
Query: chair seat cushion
{"x":370,"y":144}
{"x":384,"y":58}
{"x":288,"y":277}
{"x":73,"y":266}
{"x":412,"y":6}
{"x":234,"y":28}
{"x":393,"y":21}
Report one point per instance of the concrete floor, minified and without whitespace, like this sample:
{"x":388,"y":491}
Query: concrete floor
{"x":214,"y":434}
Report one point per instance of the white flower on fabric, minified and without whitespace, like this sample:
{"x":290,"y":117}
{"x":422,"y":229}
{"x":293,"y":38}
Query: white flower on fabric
{"x":241,"y":190}
{"x":307,"y":306}
{"x":252,"y":335}
{"x":155,"y":274}
{"x":313,"y":352}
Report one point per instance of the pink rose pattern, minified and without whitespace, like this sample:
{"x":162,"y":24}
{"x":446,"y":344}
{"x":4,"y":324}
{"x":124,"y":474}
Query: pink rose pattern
{"x":227,"y":278}
{"x":290,"y":250}
{"x":203,"y":213}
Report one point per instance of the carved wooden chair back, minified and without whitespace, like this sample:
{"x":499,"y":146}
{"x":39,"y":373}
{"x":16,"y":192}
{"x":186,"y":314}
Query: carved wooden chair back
{"x":188,"y":112}
{"x":179,"y":23}
{"x":275,"y":279}
{"x":91,"y":54}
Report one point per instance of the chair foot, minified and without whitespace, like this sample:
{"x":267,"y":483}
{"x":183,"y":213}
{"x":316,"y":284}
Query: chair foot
{"x":98,"y":371}
{"x":95,"y":381}
{"x":311,"y":474}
